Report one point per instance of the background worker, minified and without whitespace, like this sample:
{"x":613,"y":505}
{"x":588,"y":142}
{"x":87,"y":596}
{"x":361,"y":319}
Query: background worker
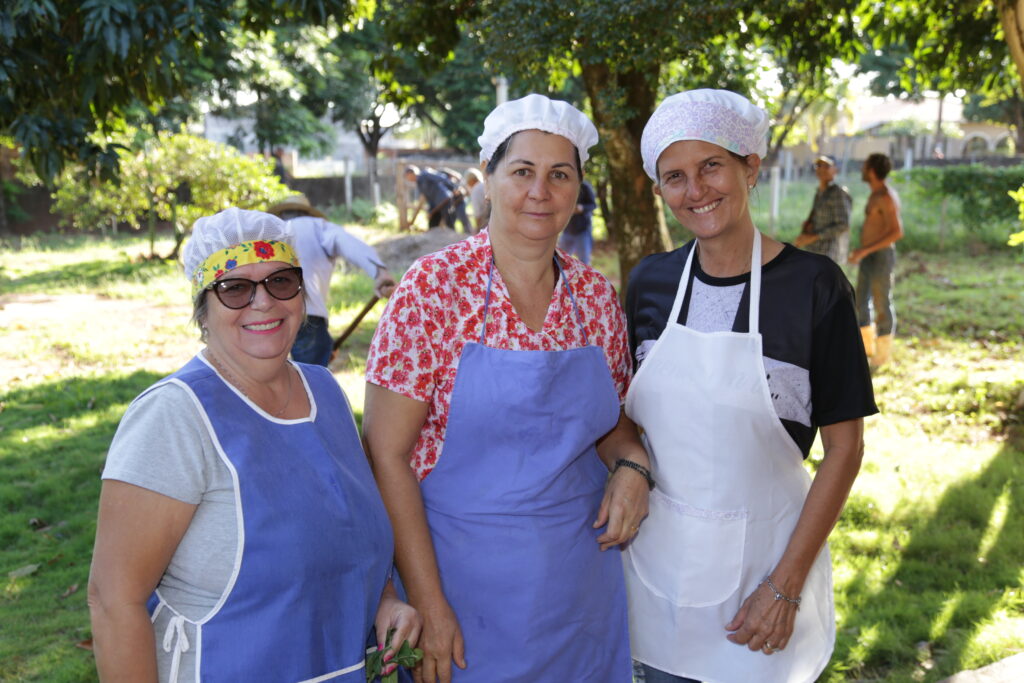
{"x":578,"y":237}
{"x":436,"y":192}
{"x":457,"y":210}
{"x":477,"y":198}
{"x":877,"y":259}
{"x":319,"y":243}
{"x":827,"y":228}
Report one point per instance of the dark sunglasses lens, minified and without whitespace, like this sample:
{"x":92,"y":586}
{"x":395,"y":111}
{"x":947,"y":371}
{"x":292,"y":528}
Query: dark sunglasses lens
{"x":235,"y":293}
{"x":284,"y":284}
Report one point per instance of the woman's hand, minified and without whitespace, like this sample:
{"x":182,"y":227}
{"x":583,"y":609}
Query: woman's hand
{"x":441,"y":643}
{"x":392,"y":613}
{"x":763,"y":623}
{"x":623,"y":507}
{"x":763,"y":620}
{"x":624,"y":504}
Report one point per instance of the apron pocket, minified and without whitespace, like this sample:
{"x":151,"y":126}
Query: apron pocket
{"x":690,"y":556}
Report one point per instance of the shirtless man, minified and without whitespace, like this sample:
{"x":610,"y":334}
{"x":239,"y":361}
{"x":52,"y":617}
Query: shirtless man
{"x":877,"y":258}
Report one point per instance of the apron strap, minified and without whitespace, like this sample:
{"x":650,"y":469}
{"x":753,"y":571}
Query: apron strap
{"x":684,"y":282}
{"x":174,"y":636}
{"x":572,"y":297}
{"x":487,"y":301}
{"x":755,"y":285}
{"x":565,"y":283}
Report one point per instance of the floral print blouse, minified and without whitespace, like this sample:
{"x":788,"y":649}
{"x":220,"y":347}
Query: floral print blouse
{"x":439,"y":306}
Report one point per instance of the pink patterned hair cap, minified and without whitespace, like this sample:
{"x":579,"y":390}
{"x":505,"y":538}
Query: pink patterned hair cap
{"x":537,"y":112}
{"x":720,"y":117}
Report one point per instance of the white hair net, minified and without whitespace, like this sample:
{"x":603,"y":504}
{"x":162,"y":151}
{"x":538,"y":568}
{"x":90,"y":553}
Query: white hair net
{"x":537,"y":112}
{"x":720,"y":117}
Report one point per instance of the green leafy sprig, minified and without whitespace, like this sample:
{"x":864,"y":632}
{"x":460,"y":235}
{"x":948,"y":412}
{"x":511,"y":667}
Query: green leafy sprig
{"x":407,"y":656}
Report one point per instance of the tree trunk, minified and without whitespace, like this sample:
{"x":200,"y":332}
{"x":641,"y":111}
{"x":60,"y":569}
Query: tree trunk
{"x":3,"y":209}
{"x":1011,"y":15}
{"x":1018,"y":124}
{"x":370,"y":134}
{"x":637,"y":225}
{"x":601,"y":189}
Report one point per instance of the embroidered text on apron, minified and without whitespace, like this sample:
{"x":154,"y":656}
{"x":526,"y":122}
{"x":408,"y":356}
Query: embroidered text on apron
{"x":731,"y":485}
{"x":315,"y":544}
{"x":510,"y":507}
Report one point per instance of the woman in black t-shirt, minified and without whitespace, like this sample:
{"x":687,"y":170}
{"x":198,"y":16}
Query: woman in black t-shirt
{"x":744,"y":348}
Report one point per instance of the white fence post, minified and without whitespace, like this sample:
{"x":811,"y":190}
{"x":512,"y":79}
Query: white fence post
{"x":347,"y":165}
{"x":776,"y":182}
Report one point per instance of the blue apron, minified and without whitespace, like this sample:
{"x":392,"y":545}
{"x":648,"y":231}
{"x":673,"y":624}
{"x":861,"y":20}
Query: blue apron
{"x":510,"y":507}
{"x":314,"y":545}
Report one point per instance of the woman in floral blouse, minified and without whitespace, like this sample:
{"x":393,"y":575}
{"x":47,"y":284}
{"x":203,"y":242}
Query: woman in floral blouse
{"x":492,"y":419}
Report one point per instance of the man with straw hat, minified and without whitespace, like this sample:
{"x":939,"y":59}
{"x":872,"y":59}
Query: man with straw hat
{"x":319,"y":243}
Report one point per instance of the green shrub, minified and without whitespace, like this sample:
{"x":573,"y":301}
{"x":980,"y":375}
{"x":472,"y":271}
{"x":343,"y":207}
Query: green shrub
{"x":1017,"y":238}
{"x":173,"y":177}
{"x":362,"y":211}
{"x":981,"y":191}
{"x":11,"y":191}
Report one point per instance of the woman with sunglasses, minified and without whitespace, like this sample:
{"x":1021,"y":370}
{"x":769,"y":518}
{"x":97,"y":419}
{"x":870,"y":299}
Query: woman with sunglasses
{"x":238,"y":514}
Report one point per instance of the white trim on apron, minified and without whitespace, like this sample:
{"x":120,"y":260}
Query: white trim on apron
{"x":731,"y":486}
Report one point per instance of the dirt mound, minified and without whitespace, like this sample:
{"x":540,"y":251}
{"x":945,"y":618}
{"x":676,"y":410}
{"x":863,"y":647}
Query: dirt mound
{"x":399,"y":251}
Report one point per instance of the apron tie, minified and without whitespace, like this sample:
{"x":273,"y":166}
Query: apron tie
{"x":174,"y":636}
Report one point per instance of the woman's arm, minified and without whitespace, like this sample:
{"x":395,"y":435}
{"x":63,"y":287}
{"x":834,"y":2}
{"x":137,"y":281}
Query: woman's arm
{"x":762,"y":618}
{"x":391,"y":426}
{"x":624,"y":505}
{"x":137,"y":532}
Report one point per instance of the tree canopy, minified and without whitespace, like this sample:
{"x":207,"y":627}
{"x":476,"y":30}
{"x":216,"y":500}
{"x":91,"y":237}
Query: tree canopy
{"x":69,"y":68}
{"x":621,"y":52}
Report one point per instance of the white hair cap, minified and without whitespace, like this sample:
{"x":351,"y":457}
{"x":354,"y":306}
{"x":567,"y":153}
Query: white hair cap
{"x":720,"y":117}
{"x":228,"y":228}
{"x":537,"y":112}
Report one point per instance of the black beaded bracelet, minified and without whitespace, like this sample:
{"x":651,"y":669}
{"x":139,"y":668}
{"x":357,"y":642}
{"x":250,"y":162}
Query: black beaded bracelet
{"x":622,"y":462}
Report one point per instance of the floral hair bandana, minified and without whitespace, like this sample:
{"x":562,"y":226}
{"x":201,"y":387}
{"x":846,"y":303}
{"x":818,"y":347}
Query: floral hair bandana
{"x":223,"y":260}
{"x":720,"y":117}
{"x":231,"y":238}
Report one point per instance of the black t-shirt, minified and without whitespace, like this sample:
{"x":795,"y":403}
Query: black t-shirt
{"x":809,"y":331}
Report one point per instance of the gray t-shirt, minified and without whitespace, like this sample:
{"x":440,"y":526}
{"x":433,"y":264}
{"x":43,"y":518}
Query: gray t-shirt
{"x":162,"y":444}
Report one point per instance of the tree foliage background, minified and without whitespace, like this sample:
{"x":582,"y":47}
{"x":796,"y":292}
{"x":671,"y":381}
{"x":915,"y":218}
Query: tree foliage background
{"x":71,"y":68}
{"x":72,"y":73}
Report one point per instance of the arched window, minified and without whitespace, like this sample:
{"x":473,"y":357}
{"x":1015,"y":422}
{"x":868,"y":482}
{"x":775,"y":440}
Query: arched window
{"x":1005,"y":146}
{"x":976,"y":146}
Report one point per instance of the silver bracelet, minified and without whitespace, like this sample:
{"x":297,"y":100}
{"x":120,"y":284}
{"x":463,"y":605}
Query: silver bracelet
{"x":779,"y":595}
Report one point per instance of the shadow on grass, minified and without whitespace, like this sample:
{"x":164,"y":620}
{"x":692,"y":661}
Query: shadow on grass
{"x":959,"y":570}
{"x":89,"y":274}
{"x":53,"y":442}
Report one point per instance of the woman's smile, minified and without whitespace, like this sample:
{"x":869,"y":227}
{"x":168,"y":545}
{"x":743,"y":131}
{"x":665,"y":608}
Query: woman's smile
{"x":264,"y":327}
{"x":706,"y":208}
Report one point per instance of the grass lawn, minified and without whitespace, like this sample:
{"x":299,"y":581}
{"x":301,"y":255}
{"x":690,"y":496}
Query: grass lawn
{"x":928,"y":555}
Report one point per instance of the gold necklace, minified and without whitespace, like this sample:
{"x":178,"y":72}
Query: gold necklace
{"x":236,"y":383}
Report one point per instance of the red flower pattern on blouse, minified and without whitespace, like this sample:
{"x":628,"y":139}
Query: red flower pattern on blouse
{"x":438,"y":307}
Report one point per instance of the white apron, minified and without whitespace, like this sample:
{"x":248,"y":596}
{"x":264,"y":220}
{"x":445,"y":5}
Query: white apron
{"x":731,"y":485}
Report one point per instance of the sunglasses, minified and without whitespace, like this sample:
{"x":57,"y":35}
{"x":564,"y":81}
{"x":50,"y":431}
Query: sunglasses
{"x":239,"y":292}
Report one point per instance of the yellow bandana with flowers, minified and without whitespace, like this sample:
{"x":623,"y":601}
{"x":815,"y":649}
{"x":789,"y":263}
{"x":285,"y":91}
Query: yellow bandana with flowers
{"x":223,"y":260}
